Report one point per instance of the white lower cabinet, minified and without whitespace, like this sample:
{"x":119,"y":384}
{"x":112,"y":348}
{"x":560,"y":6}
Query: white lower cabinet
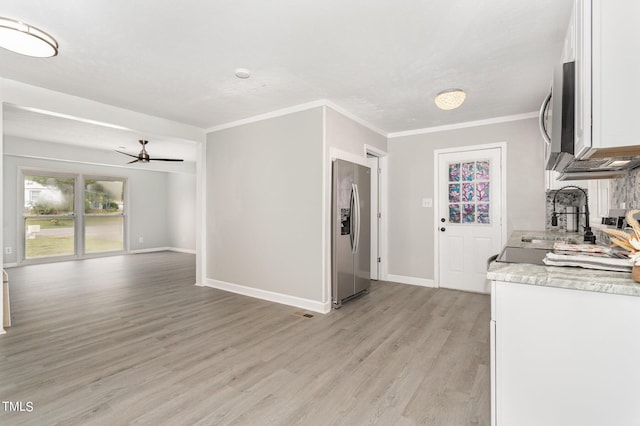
{"x":564,"y":357}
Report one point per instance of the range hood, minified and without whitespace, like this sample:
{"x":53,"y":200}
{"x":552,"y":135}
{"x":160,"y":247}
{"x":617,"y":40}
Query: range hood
{"x":598,"y":168}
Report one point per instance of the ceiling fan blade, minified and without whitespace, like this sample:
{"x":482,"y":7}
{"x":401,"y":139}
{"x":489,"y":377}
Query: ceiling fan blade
{"x":134,"y":156}
{"x":134,"y":161}
{"x":165,"y":159}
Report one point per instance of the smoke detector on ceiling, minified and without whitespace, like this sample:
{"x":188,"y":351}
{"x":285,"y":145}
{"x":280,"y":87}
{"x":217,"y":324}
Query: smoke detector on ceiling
{"x":242,"y":73}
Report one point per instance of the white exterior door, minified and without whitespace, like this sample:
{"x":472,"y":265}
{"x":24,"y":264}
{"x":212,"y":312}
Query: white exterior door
{"x":470,"y":200}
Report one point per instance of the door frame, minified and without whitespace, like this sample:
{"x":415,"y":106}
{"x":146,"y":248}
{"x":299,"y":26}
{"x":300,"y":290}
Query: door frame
{"x":436,"y":199}
{"x":381,"y":187}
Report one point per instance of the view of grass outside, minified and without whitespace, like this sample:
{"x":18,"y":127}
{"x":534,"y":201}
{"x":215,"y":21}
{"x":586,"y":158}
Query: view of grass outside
{"x":49,"y":237}
{"x":103,"y":233}
{"x":56,"y":236}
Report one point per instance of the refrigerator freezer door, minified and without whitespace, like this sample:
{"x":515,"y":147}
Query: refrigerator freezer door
{"x":362,"y":255}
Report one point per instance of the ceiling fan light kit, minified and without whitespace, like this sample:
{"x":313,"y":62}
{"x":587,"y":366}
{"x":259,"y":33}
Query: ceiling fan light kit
{"x":450,"y":99}
{"x":26,"y":39}
{"x":143,"y":155}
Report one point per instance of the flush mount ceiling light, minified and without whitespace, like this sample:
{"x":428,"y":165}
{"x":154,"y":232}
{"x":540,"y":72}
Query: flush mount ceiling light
{"x":450,"y":99}
{"x":25,"y":39}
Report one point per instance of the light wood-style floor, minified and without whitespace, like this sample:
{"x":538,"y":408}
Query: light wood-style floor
{"x":131,"y":340}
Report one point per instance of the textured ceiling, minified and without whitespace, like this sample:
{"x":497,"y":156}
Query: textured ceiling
{"x":380,"y":60}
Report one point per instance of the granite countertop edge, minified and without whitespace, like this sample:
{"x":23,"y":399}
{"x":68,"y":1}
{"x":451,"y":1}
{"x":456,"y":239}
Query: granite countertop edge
{"x":557,"y":276}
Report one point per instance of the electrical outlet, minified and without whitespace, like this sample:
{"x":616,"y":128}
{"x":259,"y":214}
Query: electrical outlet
{"x":427,"y":202}
{"x":8,"y":250}
{"x":140,"y":240}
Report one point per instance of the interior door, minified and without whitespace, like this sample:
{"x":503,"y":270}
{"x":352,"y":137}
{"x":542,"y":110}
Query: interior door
{"x":469,"y":207}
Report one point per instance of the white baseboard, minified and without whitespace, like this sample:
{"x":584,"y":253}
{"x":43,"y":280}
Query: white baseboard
{"x":422,"y":282}
{"x":155,"y":249}
{"x":181,"y":250}
{"x":149,"y":250}
{"x":9,"y":265}
{"x":298,"y":302}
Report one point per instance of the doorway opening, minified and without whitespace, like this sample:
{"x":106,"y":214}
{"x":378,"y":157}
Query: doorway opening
{"x":377,"y":160}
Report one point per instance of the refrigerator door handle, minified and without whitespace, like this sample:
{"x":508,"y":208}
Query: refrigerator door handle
{"x":356,"y":216}
{"x":352,"y":219}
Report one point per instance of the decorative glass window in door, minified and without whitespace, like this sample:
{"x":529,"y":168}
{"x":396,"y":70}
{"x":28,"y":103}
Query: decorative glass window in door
{"x":469,"y":201}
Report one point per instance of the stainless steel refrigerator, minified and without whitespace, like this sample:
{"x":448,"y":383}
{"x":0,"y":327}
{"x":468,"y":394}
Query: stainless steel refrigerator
{"x":351,"y":231}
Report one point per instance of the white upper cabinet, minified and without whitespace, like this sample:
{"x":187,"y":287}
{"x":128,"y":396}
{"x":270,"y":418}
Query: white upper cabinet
{"x":607,"y":111}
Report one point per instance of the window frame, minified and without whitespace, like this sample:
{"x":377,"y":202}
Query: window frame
{"x":78,"y":215}
{"x":123,"y":214}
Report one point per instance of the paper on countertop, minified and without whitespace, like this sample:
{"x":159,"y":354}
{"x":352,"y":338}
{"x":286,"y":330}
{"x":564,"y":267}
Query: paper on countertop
{"x":581,"y":248}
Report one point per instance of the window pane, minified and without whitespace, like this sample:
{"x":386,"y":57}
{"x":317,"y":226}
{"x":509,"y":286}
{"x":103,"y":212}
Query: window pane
{"x":454,"y":192}
{"x":454,"y":213}
{"x":467,"y":192}
{"x":47,"y":195}
{"x":454,"y":172}
{"x":103,"y":233}
{"x":468,"y":213}
{"x":483,"y":191}
{"x":103,"y":196}
{"x":49,"y":237}
{"x":467,"y":171}
{"x":483,"y":213}
{"x":482,"y":170}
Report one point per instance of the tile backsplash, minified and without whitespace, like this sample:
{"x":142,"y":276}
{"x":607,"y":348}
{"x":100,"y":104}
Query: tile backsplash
{"x":566,"y":200}
{"x":625,"y":191}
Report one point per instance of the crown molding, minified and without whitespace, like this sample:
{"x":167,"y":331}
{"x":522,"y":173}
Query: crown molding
{"x":268,"y":115}
{"x":496,"y":120}
{"x":353,"y":117}
{"x":294,"y":109}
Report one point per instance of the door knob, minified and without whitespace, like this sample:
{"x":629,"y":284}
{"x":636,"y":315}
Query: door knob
{"x":443,"y":229}
{"x":442,"y":219}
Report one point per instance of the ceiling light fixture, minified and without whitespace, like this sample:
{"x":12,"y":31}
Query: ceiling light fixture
{"x":450,"y":99}
{"x":25,"y":39}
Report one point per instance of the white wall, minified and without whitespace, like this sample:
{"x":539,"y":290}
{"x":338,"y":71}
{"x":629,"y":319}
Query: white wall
{"x":347,"y":135}
{"x":149,"y":192}
{"x":411,"y":159}
{"x":181,"y":211}
{"x":264,"y":208}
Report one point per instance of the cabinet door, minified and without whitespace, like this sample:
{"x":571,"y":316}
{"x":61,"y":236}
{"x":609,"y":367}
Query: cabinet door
{"x":566,"y":357}
{"x":616,"y":66}
{"x":582,"y":11}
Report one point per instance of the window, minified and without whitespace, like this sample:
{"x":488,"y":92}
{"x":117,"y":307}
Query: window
{"x":103,"y":215}
{"x":48,"y":214}
{"x":72,"y":215}
{"x":469,"y":192}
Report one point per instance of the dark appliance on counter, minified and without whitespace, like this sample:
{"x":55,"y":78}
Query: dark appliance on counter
{"x":522,"y":255}
{"x":616,"y":219}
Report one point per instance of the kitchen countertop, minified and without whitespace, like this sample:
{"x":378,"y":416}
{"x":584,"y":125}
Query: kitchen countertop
{"x":559,"y":276}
